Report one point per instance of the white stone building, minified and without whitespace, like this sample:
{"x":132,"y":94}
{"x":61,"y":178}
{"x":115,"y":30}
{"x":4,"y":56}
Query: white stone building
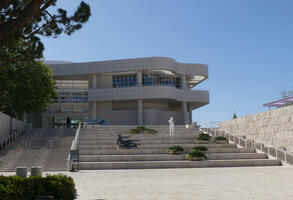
{"x":140,"y":91}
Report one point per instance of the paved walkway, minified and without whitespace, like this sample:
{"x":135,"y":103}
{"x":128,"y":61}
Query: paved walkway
{"x":254,"y":183}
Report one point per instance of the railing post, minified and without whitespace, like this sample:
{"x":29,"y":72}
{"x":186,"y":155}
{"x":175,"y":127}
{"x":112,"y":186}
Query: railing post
{"x":269,"y":150}
{"x":285,"y":157}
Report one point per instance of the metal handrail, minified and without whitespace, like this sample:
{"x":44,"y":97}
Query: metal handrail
{"x":74,"y":144}
{"x":74,"y":151}
{"x":254,"y":139}
{"x":16,"y":133}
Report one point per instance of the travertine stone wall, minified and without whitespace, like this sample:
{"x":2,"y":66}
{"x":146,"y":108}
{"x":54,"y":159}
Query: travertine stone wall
{"x":7,"y":123}
{"x":274,"y":126}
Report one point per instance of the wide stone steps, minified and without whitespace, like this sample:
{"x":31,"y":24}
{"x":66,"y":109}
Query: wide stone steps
{"x":123,"y":130}
{"x":98,"y":150}
{"x":157,"y":151}
{"x":113,"y":142}
{"x":39,"y":150}
{"x":154,"y":146}
{"x":126,"y":132}
{"x":166,"y":157}
{"x":177,"y":164}
{"x":138,"y":136}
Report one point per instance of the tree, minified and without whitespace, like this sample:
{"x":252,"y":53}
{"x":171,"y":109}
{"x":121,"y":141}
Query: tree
{"x":234,"y":115}
{"x":26,"y":84}
{"x":285,"y":93}
{"x":27,"y":18}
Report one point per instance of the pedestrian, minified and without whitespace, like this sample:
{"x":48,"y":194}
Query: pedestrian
{"x":68,"y":122}
{"x":171,"y":126}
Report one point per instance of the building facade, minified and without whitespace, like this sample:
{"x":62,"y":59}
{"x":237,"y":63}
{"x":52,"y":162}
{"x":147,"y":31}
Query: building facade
{"x":140,"y":91}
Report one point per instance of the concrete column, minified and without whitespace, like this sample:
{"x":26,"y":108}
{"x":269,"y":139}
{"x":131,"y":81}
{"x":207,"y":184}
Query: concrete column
{"x":139,"y":78}
{"x":140,"y":112}
{"x":44,"y":120}
{"x":94,"y":110}
{"x":183,"y":82}
{"x":94,"y":81}
{"x":185,"y":114}
{"x":190,"y":116}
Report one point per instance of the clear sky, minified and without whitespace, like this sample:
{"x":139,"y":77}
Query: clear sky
{"x":247,"y":44}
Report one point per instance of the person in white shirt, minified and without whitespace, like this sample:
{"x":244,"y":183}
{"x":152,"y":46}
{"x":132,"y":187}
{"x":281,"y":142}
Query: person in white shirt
{"x":171,"y":127}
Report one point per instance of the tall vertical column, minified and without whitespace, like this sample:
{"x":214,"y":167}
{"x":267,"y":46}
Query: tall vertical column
{"x":94,"y":81}
{"x":94,"y":110}
{"x":184,"y":111}
{"x":94,"y":104}
{"x":183,"y":82}
{"x":139,"y":78}
{"x":140,"y":112}
{"x":190,"y":115}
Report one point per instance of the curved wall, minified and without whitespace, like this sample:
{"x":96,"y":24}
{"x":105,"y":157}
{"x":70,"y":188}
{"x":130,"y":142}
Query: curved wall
{"x":157,"y":63}
{"x":148,"y":92}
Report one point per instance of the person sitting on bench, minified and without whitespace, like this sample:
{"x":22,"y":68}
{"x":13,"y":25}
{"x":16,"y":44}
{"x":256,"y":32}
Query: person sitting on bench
{"x":125,"y":143}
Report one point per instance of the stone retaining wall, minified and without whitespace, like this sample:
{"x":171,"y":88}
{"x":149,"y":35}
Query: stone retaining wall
{"x":274,"y":127}
{"x":7,"y":123}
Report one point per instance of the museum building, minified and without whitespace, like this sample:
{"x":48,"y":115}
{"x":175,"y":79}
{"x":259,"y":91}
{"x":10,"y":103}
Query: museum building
{"x":139,"y":91}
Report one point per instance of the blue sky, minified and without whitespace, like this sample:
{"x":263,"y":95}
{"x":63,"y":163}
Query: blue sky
{"x":247,"y":44}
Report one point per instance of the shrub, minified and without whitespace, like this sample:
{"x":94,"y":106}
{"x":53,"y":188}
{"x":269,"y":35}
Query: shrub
{"x":142,"y":129}
{"x":58,"y":186}
{"x":199,"y":148}
{"x":203,"y":137}
{"x":220,"y":138}
{"x":196,"y":155}
{"x":151,"y":131}
{"x":175,"y":150}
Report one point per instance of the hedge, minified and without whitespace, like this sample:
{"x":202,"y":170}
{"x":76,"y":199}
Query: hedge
{"x":60,"y":187}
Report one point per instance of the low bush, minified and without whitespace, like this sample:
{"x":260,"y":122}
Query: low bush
{"x":57,"y":186}
{"x":220,"y":138}
{"x":203,"y":137}
{"x":142,"y":129}
{"x":193,"y":155}
{"x":199,"y":148}
{"x":175,"y":150}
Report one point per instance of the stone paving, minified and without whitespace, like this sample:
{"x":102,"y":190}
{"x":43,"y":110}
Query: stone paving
{"x":241,"y":183}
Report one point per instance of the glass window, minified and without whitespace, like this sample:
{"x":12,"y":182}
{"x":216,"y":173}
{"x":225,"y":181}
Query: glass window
{"x":123,"y":81}
{"x":156,"y":79}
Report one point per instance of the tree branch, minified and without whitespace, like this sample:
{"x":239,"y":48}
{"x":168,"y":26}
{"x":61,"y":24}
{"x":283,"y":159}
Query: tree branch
{"x":10,"y":27}
{"x":4,"y":3}
{"x":39,"y":28}
{"x":47,"y":5}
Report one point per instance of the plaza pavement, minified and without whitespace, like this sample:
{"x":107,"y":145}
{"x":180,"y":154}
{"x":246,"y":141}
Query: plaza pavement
{"x":241,"y":183}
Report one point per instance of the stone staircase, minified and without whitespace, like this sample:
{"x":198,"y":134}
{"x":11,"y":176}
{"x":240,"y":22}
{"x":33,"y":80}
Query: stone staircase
{"x":48,"y":148}
{"x":98,"y":150}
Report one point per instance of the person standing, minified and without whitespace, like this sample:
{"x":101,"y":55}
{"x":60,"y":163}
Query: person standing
{"x":68,"y":122}
{"x":171,"y":126}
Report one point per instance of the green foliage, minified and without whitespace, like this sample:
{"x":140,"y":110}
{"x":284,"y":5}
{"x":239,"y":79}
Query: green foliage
{"x":25,"y":84}
{"x":220,"y":138}
{"x":199,"y":148}
{"x":142,"y":129}
{"x":58,"y":186}
{"x":26,"y":19}
{"x":175,"y":150}
{"x":196,"y":154}
{"x":203,"y":137}
{"x":234,"y":116}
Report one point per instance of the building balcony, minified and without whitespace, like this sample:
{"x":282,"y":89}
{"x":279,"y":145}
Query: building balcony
{"x":196,"y":98}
